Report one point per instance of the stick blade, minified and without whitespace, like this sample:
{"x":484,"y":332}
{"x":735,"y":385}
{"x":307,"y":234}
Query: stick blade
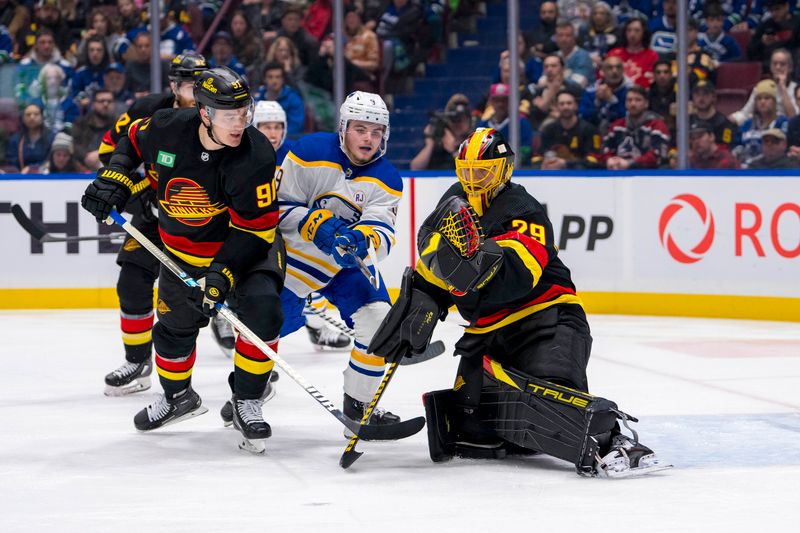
{"x":34,"y":230}
{"x":349,"y":457}
{"x":398,"y":431}
{"x":434,"y":349}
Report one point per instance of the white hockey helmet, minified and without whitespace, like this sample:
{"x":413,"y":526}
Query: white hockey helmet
{"x":270,"y":111}
{"x":369,"y":107}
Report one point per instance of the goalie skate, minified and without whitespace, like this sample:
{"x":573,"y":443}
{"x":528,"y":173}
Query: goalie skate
{"x":628,"y":458}
{"x":249,"y":420}
{"x":128,"y":379}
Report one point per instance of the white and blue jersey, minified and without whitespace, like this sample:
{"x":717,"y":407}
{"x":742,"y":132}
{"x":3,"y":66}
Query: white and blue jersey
{"x":316,"y":174}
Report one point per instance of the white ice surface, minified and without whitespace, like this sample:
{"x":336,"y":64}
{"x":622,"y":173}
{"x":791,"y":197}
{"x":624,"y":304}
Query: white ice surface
{"x":717,"y":398}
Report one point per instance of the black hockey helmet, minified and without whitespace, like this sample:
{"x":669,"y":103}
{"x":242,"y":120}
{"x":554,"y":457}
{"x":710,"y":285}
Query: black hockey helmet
{"x":222,"y":88}
{"x":187,"y":66}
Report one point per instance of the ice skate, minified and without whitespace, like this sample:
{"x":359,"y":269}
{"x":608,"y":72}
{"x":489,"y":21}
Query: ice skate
{"x":354,"y":410}
{"x":164,"y":411}
{"x":249,"y":420}
{"x":129,"y":378}
{"x":223,"y":335}
{"x":227,"y":410}
{"x":628,"y":458}
{"x":327,"y":338}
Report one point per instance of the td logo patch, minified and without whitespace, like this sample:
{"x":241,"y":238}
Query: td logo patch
{"x":166,"y":159}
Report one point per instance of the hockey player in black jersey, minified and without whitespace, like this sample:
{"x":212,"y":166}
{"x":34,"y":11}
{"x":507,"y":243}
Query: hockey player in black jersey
{"x":488,"y":249}
{"x":218,"y":218}
{"x":138,"y":267}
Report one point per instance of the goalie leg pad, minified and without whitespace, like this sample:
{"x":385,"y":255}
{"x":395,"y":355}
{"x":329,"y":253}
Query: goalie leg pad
{"x":545,"y":417}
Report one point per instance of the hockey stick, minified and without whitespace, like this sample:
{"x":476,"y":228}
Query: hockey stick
{"x":350,"y":455}
{"x":397,"y":431}
{"x":434,"y":349}
{"x":39,"y":232}
{"x":362,"y":266}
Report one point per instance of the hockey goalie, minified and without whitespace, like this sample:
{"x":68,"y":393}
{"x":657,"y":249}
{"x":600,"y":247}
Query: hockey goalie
{"x":521,"y":385}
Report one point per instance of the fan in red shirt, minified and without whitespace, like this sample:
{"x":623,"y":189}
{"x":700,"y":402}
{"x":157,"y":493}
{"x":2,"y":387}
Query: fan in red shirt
{"x":637,"y":58}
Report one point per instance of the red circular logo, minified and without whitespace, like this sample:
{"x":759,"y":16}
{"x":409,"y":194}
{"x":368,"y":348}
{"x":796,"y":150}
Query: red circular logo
{"x":677,"y":204}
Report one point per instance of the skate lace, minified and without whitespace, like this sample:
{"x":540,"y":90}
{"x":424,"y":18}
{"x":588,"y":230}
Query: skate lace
{"x":249,"y":410}
{"x":158,"y":409}
{"x":126,"y":370}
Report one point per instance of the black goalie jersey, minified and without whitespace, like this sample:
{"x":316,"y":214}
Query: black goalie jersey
{"x":531,"y":278}
{"x":213,"y":205}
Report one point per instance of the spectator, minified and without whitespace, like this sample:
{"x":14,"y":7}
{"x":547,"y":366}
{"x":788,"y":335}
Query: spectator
{"x":59,"y":109}
{"x":44,"y":51}
{"x":275,"y":89}
{"x":780,"y":30}
{"x":569,"y":142}
{"x":499,"y":120}
{"x":542,"y":38}
{"x":704,"y":106}
{"x":362,"y":46}
{"x":174,"y":37}
{"x":637,"y":58}
{"x":601,"y":34}
{"x":662,"y":93}
{"x":773,"y":152}
{"x":318,"y":17}
{"x":398,"y":27}
{"x":61,"y":159}
{"x":283,"y":51}
{"x":46,"y":16}
{"x":138,"y":68}
{"x":604,"y":102}
{"x":443,"y":135}
{"x":640,"y":140}
{"x":765,"y":117}
{"x":704,"y":152}
{"x":88,"y":130}
{"x":664,"y":41}
{"x":578,"y":62}
{"x":247,"y":44}
{"x":700,"y":64}
{"x":626,"y":10}
{"x":781,"y":72}
{"x":6,"y":46}
{"x":89,"y":77}
{"x":131,"y":17}
{"x":320,"y":72}
{"x":715,"y":41}
{"x":28,"y":148}
{"x":13,"y":16}
{"x":101,"y":26}
{"x":543,"y":94}
{"x":114,"y":81}
{"x":793,"y":129}
{"x":305,"y":43}
{"x":222,"y":53}
{"x":265,"y":16}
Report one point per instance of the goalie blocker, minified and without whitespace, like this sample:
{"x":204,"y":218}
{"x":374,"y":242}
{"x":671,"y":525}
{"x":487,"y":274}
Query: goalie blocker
{"x":530,"y":415}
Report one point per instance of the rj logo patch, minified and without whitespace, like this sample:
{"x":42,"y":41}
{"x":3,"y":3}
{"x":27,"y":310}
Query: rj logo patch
{"x":166,"y":159}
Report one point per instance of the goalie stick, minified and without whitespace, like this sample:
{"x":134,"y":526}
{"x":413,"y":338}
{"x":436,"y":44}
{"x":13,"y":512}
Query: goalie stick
{"x":40,"y":233}
{"x":397,"y":431}
{"x":434,"y":349}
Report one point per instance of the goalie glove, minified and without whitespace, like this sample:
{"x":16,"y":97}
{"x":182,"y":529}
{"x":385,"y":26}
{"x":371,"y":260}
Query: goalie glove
{"x":452,"y":246}
{"x":408,"y":326}
{"x":110,"y":190}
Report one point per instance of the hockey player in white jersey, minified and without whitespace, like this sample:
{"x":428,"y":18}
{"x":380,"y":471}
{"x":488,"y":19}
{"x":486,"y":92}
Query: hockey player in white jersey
{"x":338,"y":196}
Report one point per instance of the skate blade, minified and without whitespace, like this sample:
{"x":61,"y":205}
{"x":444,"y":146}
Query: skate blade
{"x":191,"y":414}
{"x":227,"y":424}
{"x":254,"y":446}
{"x":636,"y":472}
{"x":138,"y":385}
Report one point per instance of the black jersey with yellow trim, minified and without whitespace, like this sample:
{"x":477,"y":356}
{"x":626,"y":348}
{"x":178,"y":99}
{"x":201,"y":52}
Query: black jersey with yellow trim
{"x":140,"y":108}
{"x":214,"y":205}
{"x":531,"y":277}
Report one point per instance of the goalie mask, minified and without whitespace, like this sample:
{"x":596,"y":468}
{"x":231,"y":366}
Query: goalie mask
{"x":452,"y":247}
{"x":484,"y":165}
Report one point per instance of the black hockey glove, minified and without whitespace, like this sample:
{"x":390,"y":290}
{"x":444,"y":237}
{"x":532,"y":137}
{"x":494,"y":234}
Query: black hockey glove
{"x":409,"y":325}
{"x":110,"y":190}
{"x":212,"y":290}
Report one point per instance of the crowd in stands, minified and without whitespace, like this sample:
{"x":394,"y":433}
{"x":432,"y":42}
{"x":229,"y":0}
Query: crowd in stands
{"x":597,"y":89}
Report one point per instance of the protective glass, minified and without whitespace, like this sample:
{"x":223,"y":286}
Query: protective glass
{"x":232,"y":118}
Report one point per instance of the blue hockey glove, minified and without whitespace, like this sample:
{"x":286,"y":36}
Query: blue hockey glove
{"x":353,"y":240}
{"x":321,"y":227}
